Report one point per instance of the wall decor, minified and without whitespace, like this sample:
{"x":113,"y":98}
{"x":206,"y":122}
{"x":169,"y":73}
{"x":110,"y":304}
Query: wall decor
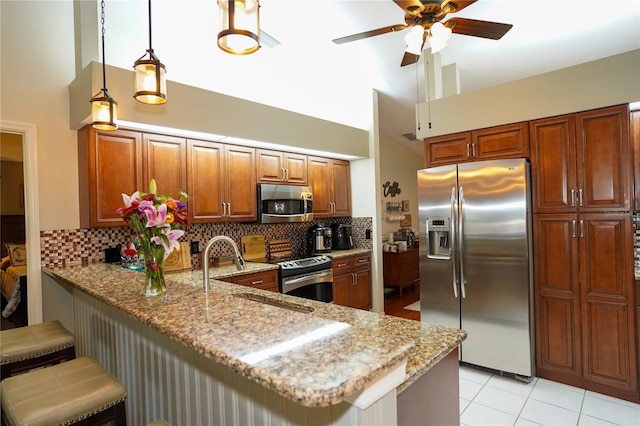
{"x":391,"y":190}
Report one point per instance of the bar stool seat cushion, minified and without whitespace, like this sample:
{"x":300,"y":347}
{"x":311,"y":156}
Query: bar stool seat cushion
{"x":61,"y":394}
{"x":33,"y":341}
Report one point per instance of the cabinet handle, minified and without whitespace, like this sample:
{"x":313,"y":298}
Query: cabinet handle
{"x":354,"y":279}
{"x":473,"y":150}
{"x":362,"y":260}
{"x":581,"y":228}
{"x":224,"y":209}
{"x":286,"y":175}
{"x":573,"y":197}
{"x":573,"y":225}
{"x":580,"y":196}
{"x":283,"y":178}
{"x":228,"y":209}
{"x":341,"y":265}
{"x":468,"y":150}
{"x":257,"y":282}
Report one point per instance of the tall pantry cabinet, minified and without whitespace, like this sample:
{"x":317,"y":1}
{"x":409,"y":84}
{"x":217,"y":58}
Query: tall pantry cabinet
{"x":583,"y":255}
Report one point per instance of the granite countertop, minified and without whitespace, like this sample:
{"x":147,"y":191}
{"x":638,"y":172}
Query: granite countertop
{"x":316,"y":354}
{"x":337,"y":254}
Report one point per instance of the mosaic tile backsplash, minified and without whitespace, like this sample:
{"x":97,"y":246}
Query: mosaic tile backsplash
{"x":82,"y":246}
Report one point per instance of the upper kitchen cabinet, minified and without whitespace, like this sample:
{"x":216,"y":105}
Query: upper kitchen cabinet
{"x":331,"y":183}
{"x":276,"y":167}
{"x":165,"y":160}
{"x":582,"y":162}
{"x":508,"y":141}
{"x":222,"y":183}
{"x":635,"y":140}
{"x":109,"y":164}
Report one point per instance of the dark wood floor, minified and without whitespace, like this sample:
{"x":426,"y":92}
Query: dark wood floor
{"x":394,"y":304}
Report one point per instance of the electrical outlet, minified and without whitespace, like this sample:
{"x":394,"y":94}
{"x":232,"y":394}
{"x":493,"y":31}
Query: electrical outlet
{"x":367,"y":234}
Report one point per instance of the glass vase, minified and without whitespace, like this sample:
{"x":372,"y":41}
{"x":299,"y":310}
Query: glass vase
{"x":154,"y":273}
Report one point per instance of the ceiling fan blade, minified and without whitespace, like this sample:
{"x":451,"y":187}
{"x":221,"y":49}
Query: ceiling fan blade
{"x":457,"y":5}
{"x":409,"y":58}
{"x":371,"y":33}
{"x":476,"y":28}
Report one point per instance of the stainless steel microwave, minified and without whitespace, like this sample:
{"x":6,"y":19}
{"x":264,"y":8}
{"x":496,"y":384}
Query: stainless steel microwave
{"x":284,"y":203}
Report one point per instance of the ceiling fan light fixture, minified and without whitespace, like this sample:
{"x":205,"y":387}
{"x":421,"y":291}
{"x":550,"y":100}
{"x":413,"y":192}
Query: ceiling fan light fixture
{"x":239,"y":26}
{"x":414,"y":40}
{"x":439,"y":36}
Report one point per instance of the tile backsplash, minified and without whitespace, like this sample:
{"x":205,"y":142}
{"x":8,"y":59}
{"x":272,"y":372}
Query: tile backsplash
{"x":82,"y":246}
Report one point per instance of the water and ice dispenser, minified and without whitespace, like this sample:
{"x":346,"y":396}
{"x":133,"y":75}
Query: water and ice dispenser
{"x":438,"y":232}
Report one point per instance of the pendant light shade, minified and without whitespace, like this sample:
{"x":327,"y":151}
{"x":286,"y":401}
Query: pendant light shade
{"x":239,"y":26}
{"x":149,"y":76}
{"x":440,"y":35}
{"x":104,"y":109}
{"x":150,"y":81}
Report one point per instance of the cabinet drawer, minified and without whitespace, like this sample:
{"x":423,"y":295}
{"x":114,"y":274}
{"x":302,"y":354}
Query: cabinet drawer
{"x":362,"y":261}
{"x":342,"y":265}
{"x":263,"y":280}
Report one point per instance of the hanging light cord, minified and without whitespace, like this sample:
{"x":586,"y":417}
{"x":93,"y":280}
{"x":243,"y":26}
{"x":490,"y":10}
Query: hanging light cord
{"x":417,"y":95}
{"x":428,"y":93}
{"x":150,"y":49}
{"x":104,"y":72}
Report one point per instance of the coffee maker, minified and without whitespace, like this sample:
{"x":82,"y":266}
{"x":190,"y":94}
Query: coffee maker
{"x":318,"y":240}
{"x":341,"y":234}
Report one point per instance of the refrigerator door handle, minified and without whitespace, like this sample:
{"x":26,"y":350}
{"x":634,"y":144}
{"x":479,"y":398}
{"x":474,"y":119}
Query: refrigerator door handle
{"x":460,"y":239}
{"x":453,"y":241}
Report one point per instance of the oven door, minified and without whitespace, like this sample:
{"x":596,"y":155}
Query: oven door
{"x":316,"y":285}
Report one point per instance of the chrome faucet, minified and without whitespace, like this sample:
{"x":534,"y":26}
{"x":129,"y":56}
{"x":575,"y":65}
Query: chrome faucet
{"x":238,"y":260}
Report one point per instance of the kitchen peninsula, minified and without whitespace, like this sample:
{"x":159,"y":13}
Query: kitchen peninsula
{"x":237,"y":355}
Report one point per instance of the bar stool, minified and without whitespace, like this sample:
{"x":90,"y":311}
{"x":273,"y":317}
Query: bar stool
{"x":33,"y":346}
{"x":79,"y":391}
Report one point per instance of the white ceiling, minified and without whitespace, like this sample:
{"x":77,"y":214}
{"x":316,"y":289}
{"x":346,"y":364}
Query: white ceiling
{"x":309,"y":74}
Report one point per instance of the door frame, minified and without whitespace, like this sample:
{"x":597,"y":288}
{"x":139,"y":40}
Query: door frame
{"x":32,"y":215}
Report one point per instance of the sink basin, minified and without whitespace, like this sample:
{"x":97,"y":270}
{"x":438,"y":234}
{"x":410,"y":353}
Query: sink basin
{"x":275,"y":302}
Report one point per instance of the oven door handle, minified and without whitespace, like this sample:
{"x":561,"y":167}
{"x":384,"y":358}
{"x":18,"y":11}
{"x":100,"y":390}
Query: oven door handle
{"x":306,"y":277}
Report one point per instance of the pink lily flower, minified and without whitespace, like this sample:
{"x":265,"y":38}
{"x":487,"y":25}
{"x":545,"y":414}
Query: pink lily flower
{"x":128,"y":201}
{"x":156,"y":217}
{"x":172,"y":236}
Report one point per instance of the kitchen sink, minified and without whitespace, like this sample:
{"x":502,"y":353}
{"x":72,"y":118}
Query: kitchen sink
{"x":275,"y":302}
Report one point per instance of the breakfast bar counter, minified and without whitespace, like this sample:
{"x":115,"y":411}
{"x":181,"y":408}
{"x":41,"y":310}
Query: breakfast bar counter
{"x":267,"y":348}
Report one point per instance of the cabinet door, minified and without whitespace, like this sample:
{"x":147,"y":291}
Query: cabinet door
{"x":361,"y":296}
{"x":164,"y":159}
{"x":341,"y":188}
{"x":270,"y":166}
{"x":509,"y":141}
{"x":319,"y":175}
{"x":205,"y":189}
{"x":635,"y":146}
{"x":241,"y":183}
{"x":342,"y":285}
{"x":553,"y":164}
{"x":109,"y":165}
{"x":604,"y":159}
{"x":608,"y":300}
{"x":296,"y":167}
{"x":557,"y":296}
{"x":447,"y":149}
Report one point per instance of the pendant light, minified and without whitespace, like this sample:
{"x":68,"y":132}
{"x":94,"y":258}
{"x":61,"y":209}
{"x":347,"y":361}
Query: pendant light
{"x":149,"y":77}
{"x":239,"y":26}
{"x":104,"y":109}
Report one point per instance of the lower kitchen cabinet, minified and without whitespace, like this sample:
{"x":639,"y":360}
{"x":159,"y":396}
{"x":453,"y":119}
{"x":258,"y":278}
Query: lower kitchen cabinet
{"x":265,"y":280}
{"x":352,"y":281}
{"x":584,"y":298}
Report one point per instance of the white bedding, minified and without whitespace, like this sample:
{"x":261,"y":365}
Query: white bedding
{"x":11,"y":287}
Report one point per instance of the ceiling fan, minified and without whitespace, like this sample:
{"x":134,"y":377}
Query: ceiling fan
{"x":424,"y":17}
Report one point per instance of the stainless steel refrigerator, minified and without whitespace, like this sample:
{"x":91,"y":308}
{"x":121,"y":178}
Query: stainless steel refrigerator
{"x":475,"y":260}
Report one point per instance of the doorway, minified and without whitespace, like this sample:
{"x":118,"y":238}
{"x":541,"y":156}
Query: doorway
{"x":28,"y":135}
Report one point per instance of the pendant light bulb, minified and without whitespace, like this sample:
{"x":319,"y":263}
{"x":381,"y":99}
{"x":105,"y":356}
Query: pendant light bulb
{"x":239,"y":26}
{"x":104,"y":109}
{"x":149,"y":76}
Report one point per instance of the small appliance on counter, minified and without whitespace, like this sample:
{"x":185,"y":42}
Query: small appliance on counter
{"x":341,"y":235}
{"x":319,"y":240}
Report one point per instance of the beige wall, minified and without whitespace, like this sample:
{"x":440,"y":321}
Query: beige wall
{"x":399,"y":164}
{"x":609,"y":81}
